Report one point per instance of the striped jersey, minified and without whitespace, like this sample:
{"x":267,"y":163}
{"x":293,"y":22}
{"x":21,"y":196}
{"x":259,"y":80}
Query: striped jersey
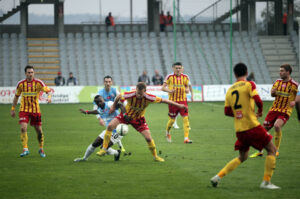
{"x":135,"y":107}
{"x":240,"y":98}
{"x":179,"y":83}
{"x":285,"y":93}
{"x":30,"y":94}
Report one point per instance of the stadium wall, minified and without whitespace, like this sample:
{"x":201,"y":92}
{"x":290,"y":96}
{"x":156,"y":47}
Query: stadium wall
{"x":85,"y":94}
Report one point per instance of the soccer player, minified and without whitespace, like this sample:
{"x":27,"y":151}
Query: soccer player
{"x":103,"y":110}
{"x":177,"y":85}
{"x":137,"y":102}
{"x":30,"y":89}
{"x":284,"y":90}
{"x":239,"y":103}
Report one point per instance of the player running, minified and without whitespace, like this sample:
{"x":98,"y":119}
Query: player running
{"x":103,"y":111}
{"x":239,"y":103}
{"x":284,"y":90}
{"x":137,"y":102}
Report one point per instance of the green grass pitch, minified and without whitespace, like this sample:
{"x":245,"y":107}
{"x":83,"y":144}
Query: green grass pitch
{"x":185,"y":174}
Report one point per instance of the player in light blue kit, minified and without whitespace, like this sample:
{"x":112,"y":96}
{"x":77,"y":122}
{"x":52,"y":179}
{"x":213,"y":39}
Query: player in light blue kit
{"x":103,"y":111}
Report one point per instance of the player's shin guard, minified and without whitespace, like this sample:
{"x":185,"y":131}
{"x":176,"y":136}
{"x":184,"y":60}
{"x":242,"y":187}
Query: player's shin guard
{"x":277,"y":141}
{"x":269,"y":167}
{"x":170,"y":124}
{"x":152,"y":148}
{"x":24,"y":140}
{"x":40,"y":138}
{"x":230,"y":166}
{"x":107,"y":137}
{"x":186,"y":127}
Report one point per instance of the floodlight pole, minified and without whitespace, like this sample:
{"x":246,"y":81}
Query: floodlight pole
{"x":298,"y":19}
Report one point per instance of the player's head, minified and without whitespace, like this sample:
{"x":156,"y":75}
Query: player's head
{"x":99,"y":100}
{"x":107,"y":82}
{"x":177,"y":68}
{"x":29,"y":72}
{"x":140,"y":89}
{"x":285,"y":71}
{"x":240,"y":70}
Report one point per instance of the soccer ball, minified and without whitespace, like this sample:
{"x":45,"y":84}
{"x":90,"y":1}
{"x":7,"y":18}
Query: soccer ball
{"x":122,"y":129}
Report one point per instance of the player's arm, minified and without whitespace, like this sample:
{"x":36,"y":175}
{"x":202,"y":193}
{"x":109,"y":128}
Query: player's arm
{"x":121,"y":106}
{"x":14,"y":104}
{"x":93,"y":112}
{"x":113,"y":107}
{"x":166,"y":101}
{"x":166,"y":89}
{"x":274,"y":89}
{"x":192,"y":93}
{"x":298,"y":105}
{"x":259,"y":105}
{"x":227,"y":108}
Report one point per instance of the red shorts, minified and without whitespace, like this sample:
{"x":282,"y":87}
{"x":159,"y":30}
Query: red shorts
{"x":272,"y":116}
{"x":257,"y":137}
{"x":173,"y":110}
{"x":139,"y":124}
{"x":35,"y":118}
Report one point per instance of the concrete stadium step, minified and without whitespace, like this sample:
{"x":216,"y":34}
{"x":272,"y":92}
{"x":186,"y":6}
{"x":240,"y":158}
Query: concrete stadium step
{"x":43,"y":53}
{"x":278,"y":50}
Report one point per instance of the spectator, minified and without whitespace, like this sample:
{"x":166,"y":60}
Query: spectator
{"x":59,"y":80}
{"x":169,"y":19}
{"x":71,"y":80}
{"x":162,"y":21}
{"x":144,"y":78}
{"x":251,"y":77}
{"x":284,"y":22}
{"x":109,"y":20}
{"x":157,"y":79}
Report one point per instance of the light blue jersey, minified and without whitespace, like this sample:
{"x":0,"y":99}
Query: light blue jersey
{"x":104,"y":113}
{"x":108,"y":96}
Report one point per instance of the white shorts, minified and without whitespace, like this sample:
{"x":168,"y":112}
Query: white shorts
{"x":115,"y":137}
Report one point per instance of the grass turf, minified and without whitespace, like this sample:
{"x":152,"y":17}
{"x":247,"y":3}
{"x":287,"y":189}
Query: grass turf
{"x":185,"y":174}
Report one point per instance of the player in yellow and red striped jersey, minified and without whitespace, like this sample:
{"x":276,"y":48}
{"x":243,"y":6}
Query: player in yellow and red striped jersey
{"x":284,"y":90}
{"x":30,"y":89}
{"x":137,"y":102}
{"x":239,"y":103}
{"x":177,"y":86}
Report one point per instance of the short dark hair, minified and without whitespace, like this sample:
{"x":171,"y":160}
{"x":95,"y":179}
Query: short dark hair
{"x":97,"y":97}
{"x":28,"y":67}
{"x":141,"y":85}
{"x":287,"y":67}
{"x":240,"y":69}
{"x":177,"y":64}
{"x":107,"y":77}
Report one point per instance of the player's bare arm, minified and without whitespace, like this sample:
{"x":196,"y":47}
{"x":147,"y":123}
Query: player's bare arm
{"x":166,"y":89}
{"x":14,"y":104}
{"x":166,"y":101}
{"x":94,"y":112}
{"x":113,"y":107}
{"x":49,"y":98}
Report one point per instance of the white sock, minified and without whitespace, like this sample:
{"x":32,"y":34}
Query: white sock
{"x":89,"y":151}
{"x":120,"y":144}
{"x":111,"y":151}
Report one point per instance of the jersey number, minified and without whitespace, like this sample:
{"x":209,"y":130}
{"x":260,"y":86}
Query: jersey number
{"x":236,"y":105}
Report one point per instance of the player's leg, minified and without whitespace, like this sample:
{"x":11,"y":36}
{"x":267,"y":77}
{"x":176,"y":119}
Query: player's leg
{"x":175,"y":125}
{"x":111,"y":126}
{"x":186,"y":125}
{"x":24,"y":139}
{"x":40,"y":138}
{"x":151,"y":145}
{"x":172,"y":116}
{"x":270,"y":164}
{"x":279,"y":123}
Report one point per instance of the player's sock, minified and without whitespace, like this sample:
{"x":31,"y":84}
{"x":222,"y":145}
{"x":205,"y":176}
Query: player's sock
{"x":152,"y":148}
{"x":111,"y":151}
{"x":40,"y":138}
{"x":186,"y":127}
{"x":269,"y":167}
{"x":89,"y":151}
{"x":24,"y":140}
{"x":277,"y":141}
{"x":230,"y":166}
{"x":107,"y":137}
{"x":170,"y":124}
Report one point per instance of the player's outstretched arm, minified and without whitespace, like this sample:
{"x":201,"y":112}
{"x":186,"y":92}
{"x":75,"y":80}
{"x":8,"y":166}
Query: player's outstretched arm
{"x":114,"y":106}
{"x":14,"y":104}
{"x":166,"y":101}
{"x":94,"y":112}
